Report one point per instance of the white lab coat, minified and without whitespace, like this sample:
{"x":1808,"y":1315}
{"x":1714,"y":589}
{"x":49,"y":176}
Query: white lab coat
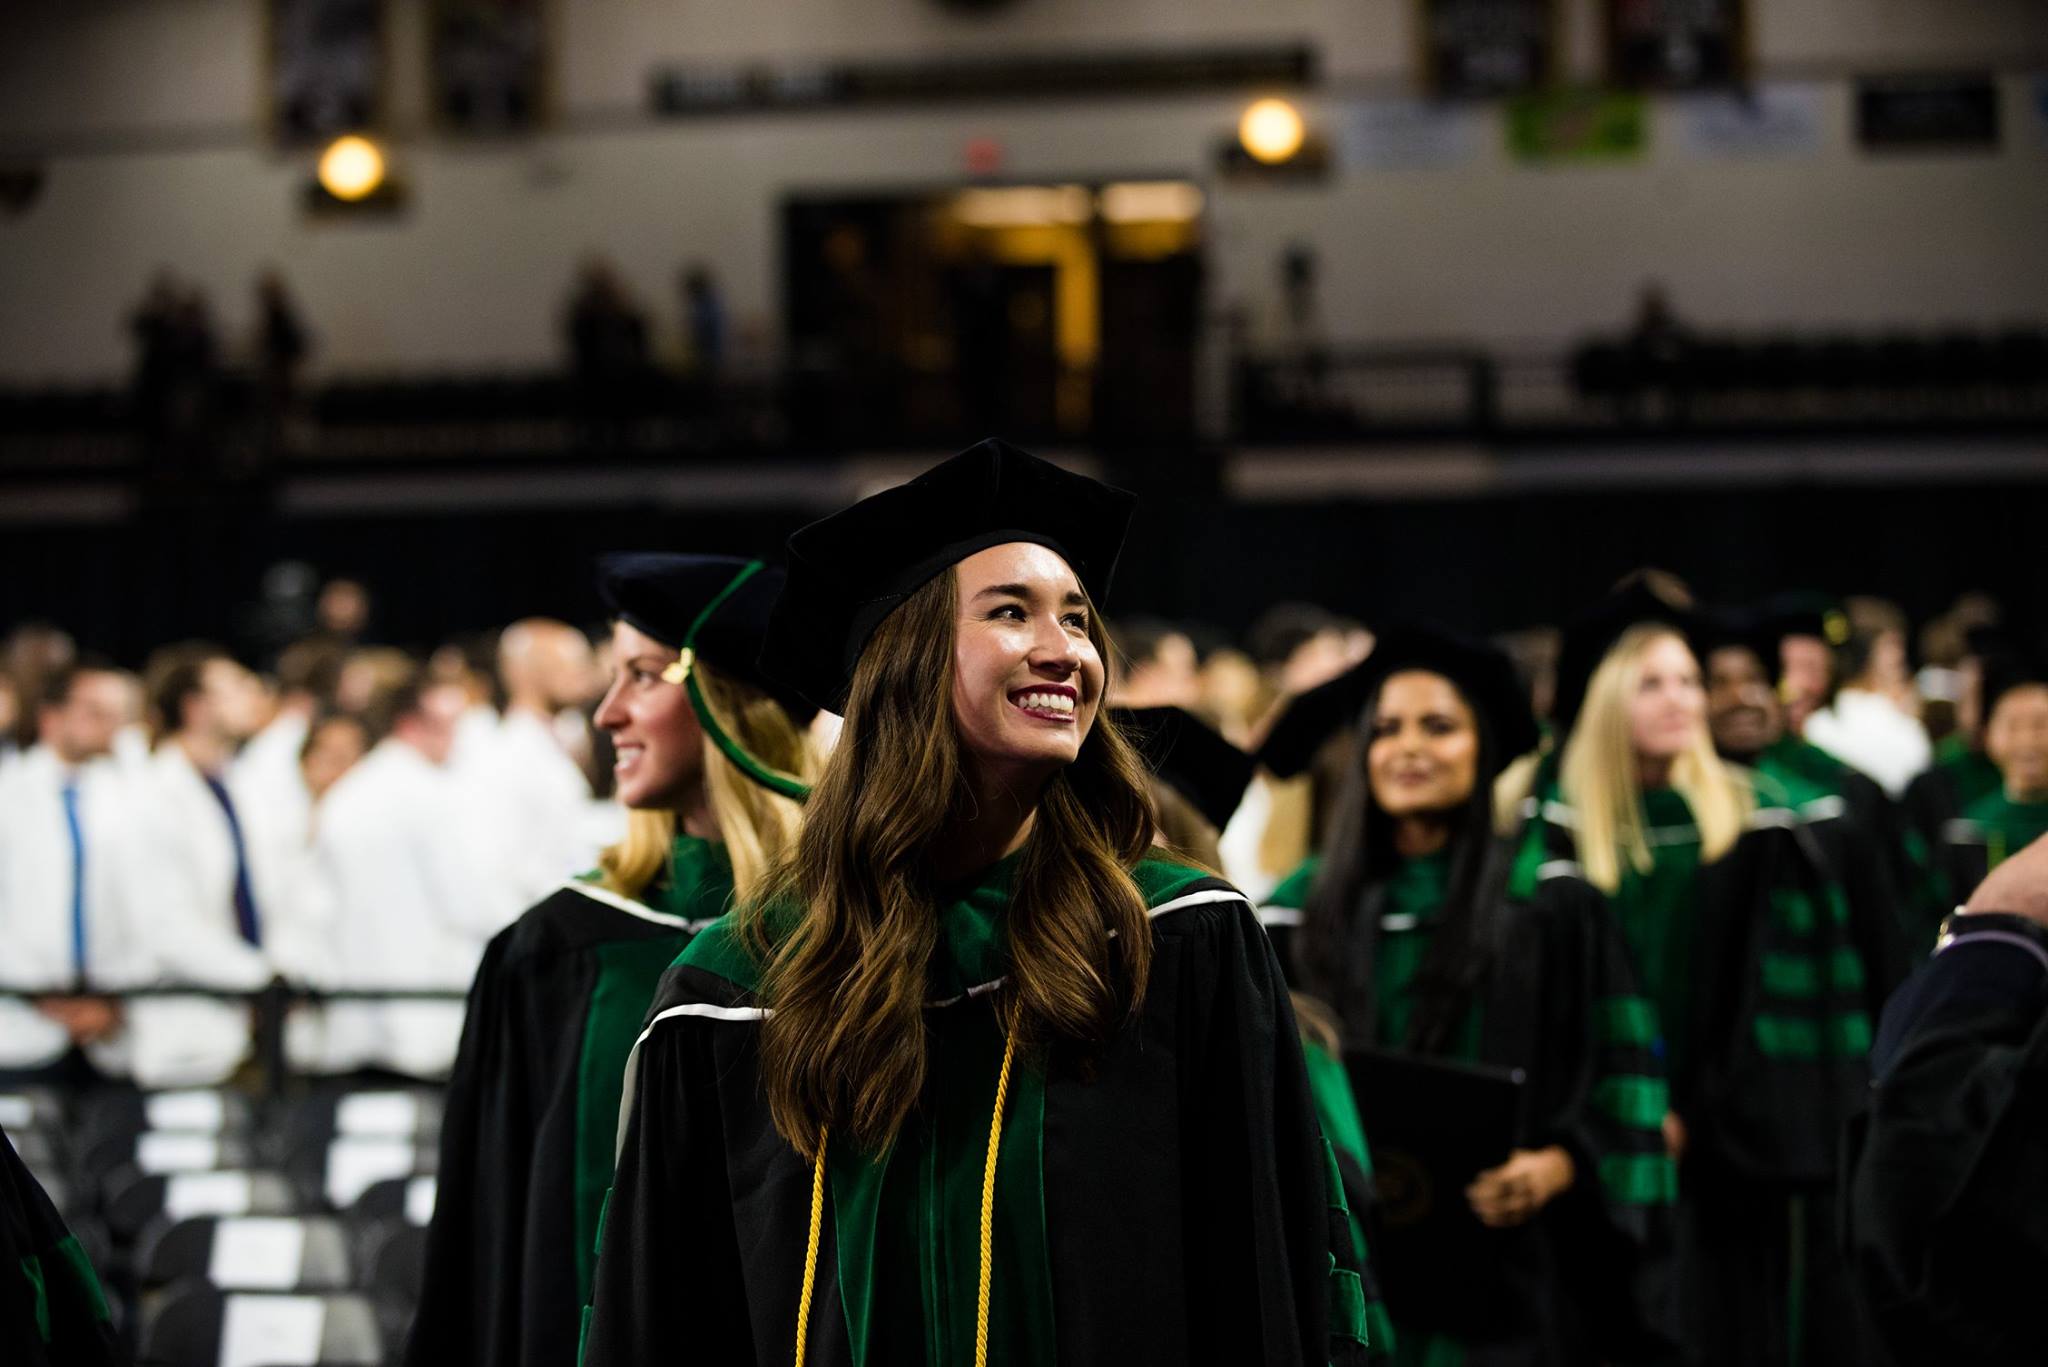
{"x":191,"y":1041}
{"x":276,"y":810}
{"x":142,"y":926}
{"x":476,"y":731}
{"x":1869,"y":732}
{"x":412,"y":880}
{"x":1240,"y":840}
{"x":534,"y":799}
{"x":267,"y":772}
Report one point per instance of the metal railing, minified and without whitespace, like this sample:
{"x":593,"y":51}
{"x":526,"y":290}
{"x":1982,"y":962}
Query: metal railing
{"x":269,"y":1007}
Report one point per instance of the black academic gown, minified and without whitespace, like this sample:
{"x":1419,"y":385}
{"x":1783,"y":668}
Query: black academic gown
{"x":1946,"y":1190}
{"x":1782,"y":994}
{"x":52,"y":1310}
{"x":532,"y":1113}
{"x":1166,"y":1199}
{"x":1590,"y":1277}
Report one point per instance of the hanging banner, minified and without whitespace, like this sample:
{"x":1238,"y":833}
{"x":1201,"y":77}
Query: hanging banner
{"x":1479,"y":48}
{"x":1578,"y":126}
{"x":1766,"y":121}
{"x":1676,"y":44}
{"x":1946,"y":113}
{"x":2037,"y":100}
{"x":1406,"y":135}
{"x":489,"y":64}
{"x":326,"y":68}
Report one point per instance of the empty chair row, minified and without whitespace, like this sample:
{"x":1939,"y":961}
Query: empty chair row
{"x":203,"y":1326}
{"x":285,"y":1253}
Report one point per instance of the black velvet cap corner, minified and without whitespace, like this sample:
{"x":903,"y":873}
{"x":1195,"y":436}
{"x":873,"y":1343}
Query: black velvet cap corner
{"x":1588,"y":639}
{"x":852,"y":569}
{"x":1726,"y":628}
{"x":661,"y":594}
{"x":2014,"y":666}
{"x":1482,"y":673}
{"x":1801,"y":613}
{"x":1189,"y":758}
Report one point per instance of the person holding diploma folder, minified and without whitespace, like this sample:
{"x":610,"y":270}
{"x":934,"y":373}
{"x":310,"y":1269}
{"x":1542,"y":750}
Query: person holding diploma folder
{"x":1430,"y":935}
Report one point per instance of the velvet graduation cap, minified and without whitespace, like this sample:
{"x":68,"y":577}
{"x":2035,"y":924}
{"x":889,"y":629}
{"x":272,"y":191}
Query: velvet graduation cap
{"x":1727,"y":628}
{"x":849,"y":571}
{"x":1588,"y":639}
{"x":1482,"y":674}
{"x":709,"y":607}
{"x":1802,"y":614}
{"x":2006,"y":669}
{"x":1189,"y":758}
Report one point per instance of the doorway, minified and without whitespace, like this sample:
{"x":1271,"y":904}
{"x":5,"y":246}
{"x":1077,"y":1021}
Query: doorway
{"x":1049,"y":313}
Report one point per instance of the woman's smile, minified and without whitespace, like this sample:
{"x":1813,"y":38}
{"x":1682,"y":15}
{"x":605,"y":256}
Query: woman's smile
{"x":1053,"y":703}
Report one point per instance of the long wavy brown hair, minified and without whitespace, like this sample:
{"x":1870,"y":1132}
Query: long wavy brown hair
{"x":844,"y":1044}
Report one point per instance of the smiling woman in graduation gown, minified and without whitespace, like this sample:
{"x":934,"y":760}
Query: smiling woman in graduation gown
{"x":532,"y":1112}
{"x":1748,"y":952}
{"x":1428,"y":934}
{"x":977,"y":1079}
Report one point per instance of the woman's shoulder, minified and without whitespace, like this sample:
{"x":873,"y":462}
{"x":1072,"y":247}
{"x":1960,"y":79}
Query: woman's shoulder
{"x":1165,"y":879}
{"x":1182,"y":897}
{"x":729,"y":947}
{"x":579,"y":915}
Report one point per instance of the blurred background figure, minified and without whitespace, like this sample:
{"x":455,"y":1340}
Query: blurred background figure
{"x":73,"y":891}
{"x":417,"y":884}
{"x":1873,"y":720}
{"x":267,"y":767}
{"x":1659,"y":349}
{"x":342,"y":611}
{"x":281,"y":346}
{"x":1157,"y":665}
{"x":10,"y":718}
{"x":704,"y":322}
{"x":211,"y":850}
{"x":535,"y":792}
{"x":34,"y":652}
{"x":1296,"y":647}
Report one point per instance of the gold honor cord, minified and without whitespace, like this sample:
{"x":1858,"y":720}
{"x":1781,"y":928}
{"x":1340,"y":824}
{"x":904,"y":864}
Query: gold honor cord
{"x":684,"y":671}
{"x":988,"y":1221}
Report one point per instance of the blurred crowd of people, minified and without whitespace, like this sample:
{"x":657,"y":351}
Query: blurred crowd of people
{"x":1849,"y":676}
{"x":187,"y":386}
{"x":361,"y":817}
{"x":358,"y":821}
{"x":356,"y":817}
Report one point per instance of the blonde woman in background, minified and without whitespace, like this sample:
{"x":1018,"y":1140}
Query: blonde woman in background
{"x":534,"y":1102}
{"x":1754,"y":963}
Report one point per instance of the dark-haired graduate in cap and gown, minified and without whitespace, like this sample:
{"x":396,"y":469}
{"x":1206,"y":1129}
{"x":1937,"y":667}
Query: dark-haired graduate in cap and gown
{"x":1430,"y":935}
{"x":980,"y":1078}
{"x":708,"y":755}
{"x":1748,"y":950}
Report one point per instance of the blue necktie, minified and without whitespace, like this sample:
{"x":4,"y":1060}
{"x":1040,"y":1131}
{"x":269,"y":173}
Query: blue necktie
{"x":77,"y":879}
{"x":245,"y":901}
